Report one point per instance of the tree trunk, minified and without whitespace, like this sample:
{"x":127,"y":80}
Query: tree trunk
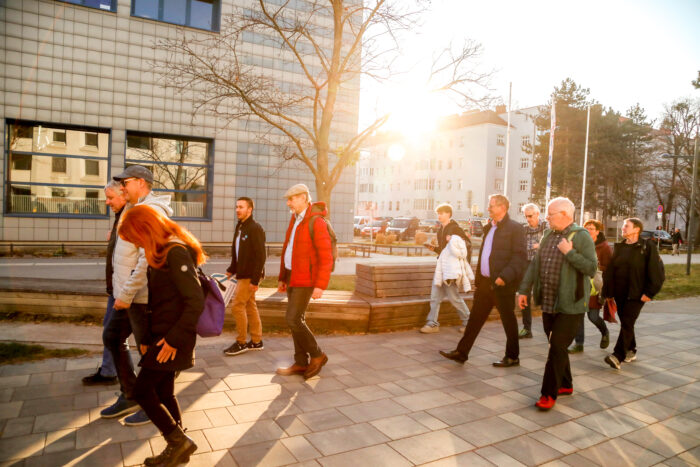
{"x":323,"y":191}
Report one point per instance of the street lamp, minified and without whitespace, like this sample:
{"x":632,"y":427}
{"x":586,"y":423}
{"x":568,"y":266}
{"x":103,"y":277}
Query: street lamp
{"x":691,"y":230}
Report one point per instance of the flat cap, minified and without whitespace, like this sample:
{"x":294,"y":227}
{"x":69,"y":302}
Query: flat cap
{"x":297,"y":190}
{"x":135,"y":171}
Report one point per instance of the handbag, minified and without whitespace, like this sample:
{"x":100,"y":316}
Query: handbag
{"x":610,"y":310}
{"x":211,"y":321}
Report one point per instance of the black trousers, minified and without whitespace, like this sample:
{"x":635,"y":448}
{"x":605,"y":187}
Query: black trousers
{"x":155,"y":392}
{"x":115,"y":339}
{"x":560,"y":329}
{"x":305,"y":344}
{"x":627,"y":312}
{"x":485,"y":297}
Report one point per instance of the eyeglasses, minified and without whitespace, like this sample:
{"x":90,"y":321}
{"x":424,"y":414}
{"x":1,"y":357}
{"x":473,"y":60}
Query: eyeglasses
{"x":530,"y":215}
{"x":552,"y":214}
{"x":127,"y":180}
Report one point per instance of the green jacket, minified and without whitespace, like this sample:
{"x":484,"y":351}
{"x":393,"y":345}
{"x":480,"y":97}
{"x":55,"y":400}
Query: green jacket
{"x":574,"y":291}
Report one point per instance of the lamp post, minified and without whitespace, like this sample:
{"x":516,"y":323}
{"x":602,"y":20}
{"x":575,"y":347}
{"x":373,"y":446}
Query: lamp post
{"x":691,"y":218}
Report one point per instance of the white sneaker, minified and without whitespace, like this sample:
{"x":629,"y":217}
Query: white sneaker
{"x":630,"y":356}
{"x":428,"y":329}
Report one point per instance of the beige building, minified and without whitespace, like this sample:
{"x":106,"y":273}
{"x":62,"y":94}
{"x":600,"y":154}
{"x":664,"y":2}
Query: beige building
{"x":79,"y":102}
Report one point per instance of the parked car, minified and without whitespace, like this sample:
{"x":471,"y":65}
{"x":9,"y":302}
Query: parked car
{"x":359,"y":223}
{"x":429,"y":225}
{"x":403,"y":227}
{"x":375,"y":227}
{"x":662,"y":237}
{"x":473,"y":227}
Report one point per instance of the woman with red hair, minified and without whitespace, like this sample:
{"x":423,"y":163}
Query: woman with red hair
{"x":176,"y":300}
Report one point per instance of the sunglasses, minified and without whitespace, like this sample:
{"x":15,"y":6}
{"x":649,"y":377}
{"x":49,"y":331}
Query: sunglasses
{"x":126,"y":180}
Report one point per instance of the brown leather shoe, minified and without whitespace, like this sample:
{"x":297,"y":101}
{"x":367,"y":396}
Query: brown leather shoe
{"x":292,"y":370}
{"x":315,"y":366}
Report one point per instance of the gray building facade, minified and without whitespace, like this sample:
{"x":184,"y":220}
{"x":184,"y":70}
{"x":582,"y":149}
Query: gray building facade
{"x":79,"y":102}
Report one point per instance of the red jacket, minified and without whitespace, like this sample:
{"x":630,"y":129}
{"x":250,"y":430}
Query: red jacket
{"x":311,"y":262}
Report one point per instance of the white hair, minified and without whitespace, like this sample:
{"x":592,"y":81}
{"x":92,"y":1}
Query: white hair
{"x":567,"y":205}
{"x":531,"y":207}
{"x":113,"y":185}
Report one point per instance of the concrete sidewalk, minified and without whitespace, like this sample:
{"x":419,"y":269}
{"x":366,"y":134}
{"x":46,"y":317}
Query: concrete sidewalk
{"x":383,"y":399}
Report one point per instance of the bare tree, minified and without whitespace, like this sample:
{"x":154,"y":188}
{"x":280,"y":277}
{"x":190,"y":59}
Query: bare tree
{"x":331,"y":43}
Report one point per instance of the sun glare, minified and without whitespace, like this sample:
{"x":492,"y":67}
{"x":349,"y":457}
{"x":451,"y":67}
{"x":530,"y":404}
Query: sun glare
{"x":413,"y":111}
{"x":396,"y":152}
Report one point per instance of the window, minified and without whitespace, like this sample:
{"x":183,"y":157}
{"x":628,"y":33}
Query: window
{"x":181,"y":168}
{"x":200,"y":14}
{"x":449,"y":164}
{"x":499,"y":162}
{"x":58,"y":165}
{"x":449,"y":184}
{"x":59,"y":137}
{"x":520,"y":207}
{"x":461,"y":185}
{"x":469,"y":198}
{"x":524,"y":162}
{"x":500,"y":140}
{"x":459,"y":205}
{"x":92,"y":168}
{"x":526,"y":141}
{"x":523,"y":185}
{"x":437,"y":184}
{"x":109,"y":5}
{"x":499,"y":184}
{"x":91,"y":139}
{"x":389,"y":205}
{"x":48,"y":165}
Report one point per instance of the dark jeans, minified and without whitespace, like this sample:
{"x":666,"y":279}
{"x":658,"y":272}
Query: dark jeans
{"x":560,"y":329}
{"x":627,"y":312}
{"x":593,"y":317}
{"x":155,"y":393}
{"x":527,"y":313}
{"x":485,"y":297}
{"x":115,"y":338}
{"x":107,"y":367}
{"x":304,"y":341}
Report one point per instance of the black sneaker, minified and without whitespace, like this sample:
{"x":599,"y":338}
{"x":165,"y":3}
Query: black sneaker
{"x":253,"y":346}
{"x":236,"y":348}
{"x":98,"y":379}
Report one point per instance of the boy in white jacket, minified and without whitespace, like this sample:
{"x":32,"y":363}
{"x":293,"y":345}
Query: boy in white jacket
{"x":452,"y":273}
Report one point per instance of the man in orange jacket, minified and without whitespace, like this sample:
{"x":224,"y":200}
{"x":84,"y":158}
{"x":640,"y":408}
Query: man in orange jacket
{"x":305,"y":270}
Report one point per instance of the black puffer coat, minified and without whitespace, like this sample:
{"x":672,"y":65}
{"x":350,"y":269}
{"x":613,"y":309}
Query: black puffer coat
{"x":176,"y":300}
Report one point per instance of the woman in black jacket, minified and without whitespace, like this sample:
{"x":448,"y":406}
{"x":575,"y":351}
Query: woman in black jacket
{"x":633,"y":277}
{"x":176,"y":300}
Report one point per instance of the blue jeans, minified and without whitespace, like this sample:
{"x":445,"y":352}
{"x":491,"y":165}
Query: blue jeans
{"x":107,"y":368}
{"x":593,"y":317}
{"x":451,"y":291}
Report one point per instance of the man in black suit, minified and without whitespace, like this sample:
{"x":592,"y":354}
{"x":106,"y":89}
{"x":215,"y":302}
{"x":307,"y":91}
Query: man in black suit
{"x":502,"y":262}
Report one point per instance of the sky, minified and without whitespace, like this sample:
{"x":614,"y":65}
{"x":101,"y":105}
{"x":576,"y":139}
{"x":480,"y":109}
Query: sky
{"x":625,"y":52}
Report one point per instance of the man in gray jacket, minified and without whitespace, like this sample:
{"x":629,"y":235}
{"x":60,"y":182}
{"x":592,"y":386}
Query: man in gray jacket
{"x":130,"y":288}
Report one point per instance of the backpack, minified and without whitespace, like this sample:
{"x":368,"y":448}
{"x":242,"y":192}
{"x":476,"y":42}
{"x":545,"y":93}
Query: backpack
{"x":211,"y":321}
{"x":331,"y":232}
{"x":662,"y":268}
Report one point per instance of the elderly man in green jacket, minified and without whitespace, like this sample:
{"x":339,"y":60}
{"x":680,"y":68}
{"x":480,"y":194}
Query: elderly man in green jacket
{"x":560,"y":277}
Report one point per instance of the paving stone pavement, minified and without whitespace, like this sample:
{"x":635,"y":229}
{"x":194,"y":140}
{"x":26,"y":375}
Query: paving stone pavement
{"x":383,"y":399}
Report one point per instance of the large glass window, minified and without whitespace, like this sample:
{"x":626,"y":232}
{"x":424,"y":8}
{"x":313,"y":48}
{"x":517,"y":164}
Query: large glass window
{"x":108,"y":5}
{"x":181,"y":168}
{"x":200,"y":14}
{"x":55,"y":170}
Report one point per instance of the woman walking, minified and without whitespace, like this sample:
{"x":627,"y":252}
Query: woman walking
{"x":175,"y":299}
{"x":633,"y":277}
{"x":595,"y":303}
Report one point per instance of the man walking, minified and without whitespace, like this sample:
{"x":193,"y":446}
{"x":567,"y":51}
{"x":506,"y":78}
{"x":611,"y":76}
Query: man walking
{"x":534,"y":229}
{"x":130,"y":294}
{"x":449,"y":270}
{"x":248,"y":266}
{"x":676,"y":241}
{"x":107,"y":372}
{"x":559,"y":277}
{"x":305,"y":269}
{"x":502,"y":261}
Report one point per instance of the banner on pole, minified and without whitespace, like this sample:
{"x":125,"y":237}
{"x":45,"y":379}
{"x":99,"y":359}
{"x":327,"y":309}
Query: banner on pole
{"x":551,"y":152}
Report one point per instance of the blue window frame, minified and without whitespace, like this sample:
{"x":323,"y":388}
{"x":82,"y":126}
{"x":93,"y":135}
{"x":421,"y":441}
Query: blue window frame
{"x":181,"y":166}
{"x":200,"y":14}
{"x":50,"y":176}
{"x":107,"y":5}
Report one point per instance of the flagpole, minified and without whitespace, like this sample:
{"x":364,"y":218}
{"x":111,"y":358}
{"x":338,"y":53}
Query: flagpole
{"x":585,"y":163}
{"x":553,"y":125}
{"x":505,"y":179}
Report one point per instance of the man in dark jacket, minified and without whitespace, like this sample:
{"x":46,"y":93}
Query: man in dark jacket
{"x":448,"y":227}
{"x":676,"y":241}
{"x":305,"y":270}
{"x":248,"y":266}
{"x":107,"y":372}
{"x":502,"y":261}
